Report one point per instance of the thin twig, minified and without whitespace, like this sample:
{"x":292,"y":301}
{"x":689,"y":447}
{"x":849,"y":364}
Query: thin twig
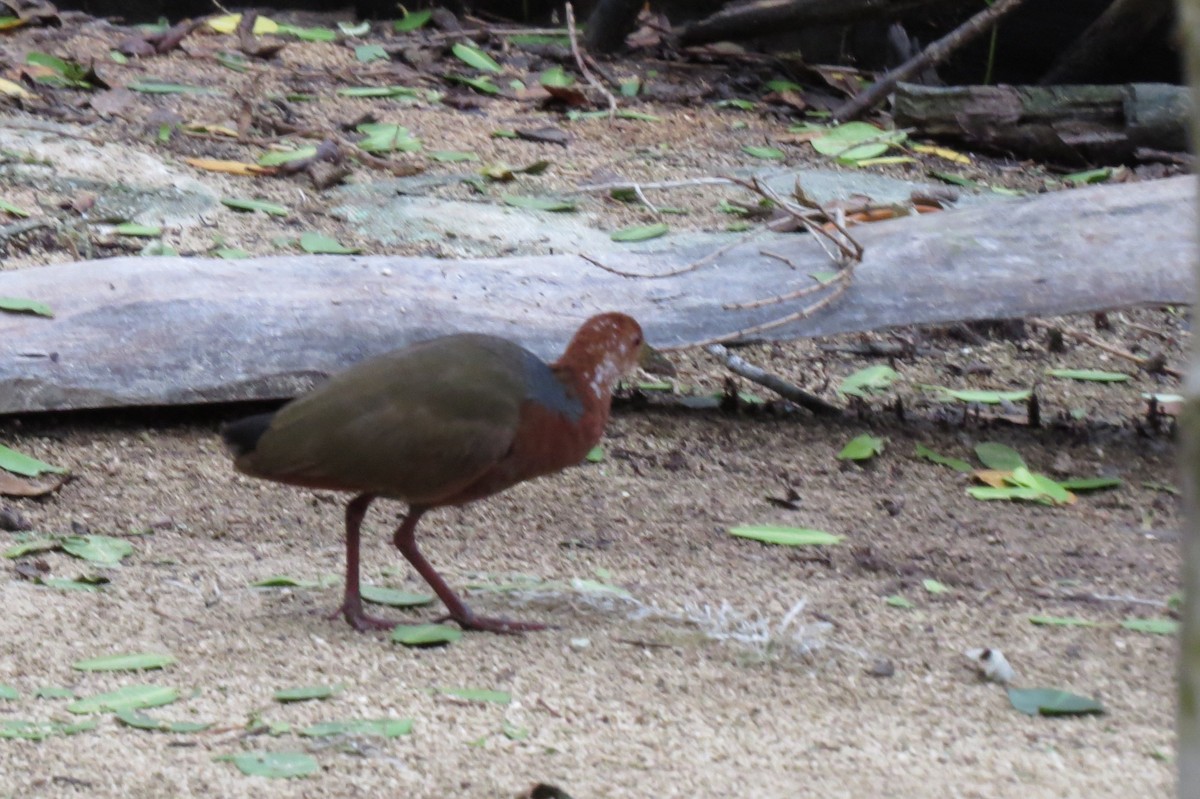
{"x":783,"y":388}
{"x":662,"y":184}
{"x":24,"y":226}
{"x":933,"y":54}
{"x":1111,"y":349}
{"x":803,"y":313}
{"x":583,"y":68}
{"x":690,"y":267}
{"x":637,"y":190}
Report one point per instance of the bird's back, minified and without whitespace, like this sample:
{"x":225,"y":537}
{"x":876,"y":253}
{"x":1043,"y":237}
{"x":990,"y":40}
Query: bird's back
{"x":417,"y":424}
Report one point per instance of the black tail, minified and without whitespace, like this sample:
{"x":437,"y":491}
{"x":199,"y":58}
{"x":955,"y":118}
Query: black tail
{"x":242,"y":436}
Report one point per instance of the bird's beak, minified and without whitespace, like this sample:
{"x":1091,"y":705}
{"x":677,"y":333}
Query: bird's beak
{"x":654,"y":362}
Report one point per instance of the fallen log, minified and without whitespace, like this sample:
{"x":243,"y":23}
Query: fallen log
{"x":154,"y":331}
{"x":1078,"y":125}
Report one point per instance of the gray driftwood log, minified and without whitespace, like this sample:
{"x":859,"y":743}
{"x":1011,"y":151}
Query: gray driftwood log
{"x":150,"y":331}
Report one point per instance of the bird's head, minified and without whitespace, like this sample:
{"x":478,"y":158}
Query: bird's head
{"x":607,"y":346}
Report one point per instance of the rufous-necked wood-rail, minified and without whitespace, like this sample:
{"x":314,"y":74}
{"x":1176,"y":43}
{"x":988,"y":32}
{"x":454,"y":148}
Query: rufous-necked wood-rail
{"x":442,"y":422}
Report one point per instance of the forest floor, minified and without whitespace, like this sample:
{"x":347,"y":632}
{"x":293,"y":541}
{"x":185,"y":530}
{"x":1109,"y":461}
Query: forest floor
{"x":686,"y":681}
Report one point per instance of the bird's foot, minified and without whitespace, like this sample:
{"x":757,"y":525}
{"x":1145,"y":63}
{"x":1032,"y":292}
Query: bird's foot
{"x":493,"y":624}
{"x":361,"y":621}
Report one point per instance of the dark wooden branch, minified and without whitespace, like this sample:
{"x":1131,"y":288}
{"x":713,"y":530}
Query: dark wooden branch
{"x":1117,"y":33}
{"x":773,"y":16}
{"x":935,"y":53}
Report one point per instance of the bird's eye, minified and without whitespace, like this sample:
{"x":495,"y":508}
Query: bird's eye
{"x":637,"y":341}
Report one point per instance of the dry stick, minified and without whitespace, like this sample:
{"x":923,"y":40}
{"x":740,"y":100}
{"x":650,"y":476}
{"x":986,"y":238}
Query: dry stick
{"x":803,"y":313}
{"x":583,"y":69}
{"x":933,"y":54}
{"x":691,"y":267}
{"x":625,"y":185}
{"x":775,"y":383}
{"x":1079,"y":335}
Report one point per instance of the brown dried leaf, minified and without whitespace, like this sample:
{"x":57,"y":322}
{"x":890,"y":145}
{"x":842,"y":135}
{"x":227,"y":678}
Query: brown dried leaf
{"x":12,"y":485}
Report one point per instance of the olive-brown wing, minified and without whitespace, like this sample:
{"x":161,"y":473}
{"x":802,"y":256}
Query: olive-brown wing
{"x":417,"y":424}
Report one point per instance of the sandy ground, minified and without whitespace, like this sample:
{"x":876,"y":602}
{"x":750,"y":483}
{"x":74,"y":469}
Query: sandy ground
{"x":620,"y":698}
{"x":648,"y":696}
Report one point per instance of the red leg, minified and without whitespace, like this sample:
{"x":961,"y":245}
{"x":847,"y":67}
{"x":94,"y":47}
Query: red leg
{"x":406,"y":542}
{"x":352,"y":602}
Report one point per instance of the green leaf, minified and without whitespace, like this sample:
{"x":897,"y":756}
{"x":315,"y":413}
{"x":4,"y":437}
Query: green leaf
{"x":131,"y":697}
{"x":161,"y":87}
{"x":139,"y":720}
{"x":30,"y":547}
{"x":595,"y":455}
{"x":1052,"y":702}
{"x":537,"y":39}
{"x":630,"y":87}
{"x":871,"y":379}
{"x":238,"y":204}
{"x":861,"y":448}
{"x":366,"y":53}
{"x":453,"y":156}
{"x":780,"y":85}
{"x":40,"y":730}
{"x":102,"y":549}
{"x":538,"y":203}
{"x":979,"y":396}
{"x":636,"y":116}
{"x":474,"y":57}
{"x":897,"y":601}
{"x":384,"y":728}
{"x":134,"y":229}
{"x":1061,"y":621}
{"x":1089,"y":176}
{"x":233,"y":61}
{"x":556,"y":77}
{"x":17,"y":463}
{"x":998,"y":456}
{"x":934,"y":587}
{"x":303,"y":693}
{"x":1014,"y":492}
{"x":1153,"y":626}
{"x":309,"y":34}
{"x":86,"y":583}
{"x":956,"y":464}
{"x":641,"y":232}
{"x":320,"y":244}
{"x":8,"y":692}
{"x":1021,"y":476}
{"x":131,"y":662}
{"x":286,"y":581}
{"x":855,"y":141}
{"x":384,"y":137}
{"x":766,"y":153}
{"x":278,"y":157}
{"x":425,"y":634}
{"x":1090,"y":483}
{"x":741,"y":105}
{"x":514,"y":732}
{"x":379,"y":91}
{"x":393,"y":597}
{"x":19,"y":305}
{"x":483,"y":84}
{"x":955,"y":180}
{"x":10,"y":208}
{"x":230,"y":253}
{"x":787,"y":536}
{"x":1093,"y":375}
{"x":273,"y":764}
{"x":479,"y":695}
{"x":411,"y":21}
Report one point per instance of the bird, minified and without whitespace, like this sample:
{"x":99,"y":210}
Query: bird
{"x":442,"y":423}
